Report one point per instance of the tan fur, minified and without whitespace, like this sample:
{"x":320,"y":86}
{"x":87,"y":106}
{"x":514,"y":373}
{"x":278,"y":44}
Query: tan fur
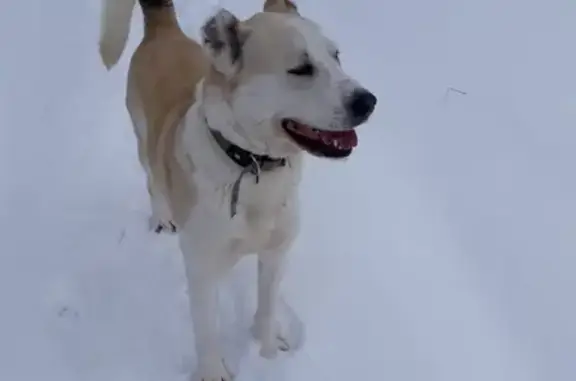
{"x":164,"y":71}
{"x":162,"y":79}
{"x":251,"y":95}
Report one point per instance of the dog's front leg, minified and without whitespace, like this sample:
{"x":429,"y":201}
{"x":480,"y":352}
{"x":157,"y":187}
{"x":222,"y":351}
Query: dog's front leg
{"x":203,"y":274}
{"x":266,"y":328}
{"x":204,"y":305}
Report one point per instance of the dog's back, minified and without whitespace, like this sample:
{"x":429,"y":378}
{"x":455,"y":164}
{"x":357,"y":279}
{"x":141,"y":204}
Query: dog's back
{"x":165,"y":68}
{"x":162,"y":78}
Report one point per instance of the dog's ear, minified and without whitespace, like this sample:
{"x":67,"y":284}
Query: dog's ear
{"x":223,"y":37}
{"x":280,"y":6}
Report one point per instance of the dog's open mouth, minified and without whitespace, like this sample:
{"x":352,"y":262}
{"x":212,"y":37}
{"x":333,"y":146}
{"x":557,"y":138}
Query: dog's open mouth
{"x":331,"y":144}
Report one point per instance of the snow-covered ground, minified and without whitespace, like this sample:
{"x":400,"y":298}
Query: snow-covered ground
{"x":444,"y":250}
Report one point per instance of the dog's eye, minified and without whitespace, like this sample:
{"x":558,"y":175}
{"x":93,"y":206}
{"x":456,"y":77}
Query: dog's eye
{"x":304,"y":70}
{"x":336,"y":56}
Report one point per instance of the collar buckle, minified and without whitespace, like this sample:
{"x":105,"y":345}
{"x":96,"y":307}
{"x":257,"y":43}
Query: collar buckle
{"x":248,"y":161}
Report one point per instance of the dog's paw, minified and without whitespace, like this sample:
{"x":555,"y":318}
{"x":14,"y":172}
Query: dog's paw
{"x":168,"y":227}
{"x":160,"y":226}
{"x":286,"y":336}
{"x":269,"y":346}
{"x":216,"y":372}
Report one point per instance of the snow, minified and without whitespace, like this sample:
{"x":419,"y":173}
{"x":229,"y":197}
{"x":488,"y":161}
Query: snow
{"x":442,"y":251}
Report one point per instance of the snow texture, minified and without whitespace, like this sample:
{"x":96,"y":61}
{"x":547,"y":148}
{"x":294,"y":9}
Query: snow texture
{"x":444,"y":250}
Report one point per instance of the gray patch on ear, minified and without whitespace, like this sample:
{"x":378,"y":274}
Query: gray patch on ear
{"x":233,"y":34}
{"x":280,"y":6}
{"x":221,"y":31}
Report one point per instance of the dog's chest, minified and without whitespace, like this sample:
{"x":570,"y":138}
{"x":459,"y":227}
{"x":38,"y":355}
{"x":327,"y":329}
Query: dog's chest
{"x":257,"y":232}
{"x":263,"y":208}
{"x":265,"y":194}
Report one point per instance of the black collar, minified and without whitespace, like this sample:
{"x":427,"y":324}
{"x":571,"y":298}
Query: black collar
{"x":248,"y":161}
{"x":245,"y":158}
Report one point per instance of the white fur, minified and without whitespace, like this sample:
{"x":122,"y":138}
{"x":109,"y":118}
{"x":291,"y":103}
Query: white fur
{"x":212,"y":242}
{"x":250,"y":118}
{"x":115,"y":18}
{"x":266,"y":222}
{"x":267,"y":216}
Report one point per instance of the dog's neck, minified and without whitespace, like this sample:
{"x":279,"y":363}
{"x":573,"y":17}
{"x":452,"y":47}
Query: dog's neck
{"x":213,"y":96}
{"x":242,"y":159}
{"x":248,"y":161}
{"x":237,"y":147}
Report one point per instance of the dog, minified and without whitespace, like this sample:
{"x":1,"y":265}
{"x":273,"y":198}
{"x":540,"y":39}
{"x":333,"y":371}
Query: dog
{"x":223,"y":126}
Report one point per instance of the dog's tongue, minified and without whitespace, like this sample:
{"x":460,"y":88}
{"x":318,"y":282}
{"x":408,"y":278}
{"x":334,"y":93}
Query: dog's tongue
{"x":346,"y":139}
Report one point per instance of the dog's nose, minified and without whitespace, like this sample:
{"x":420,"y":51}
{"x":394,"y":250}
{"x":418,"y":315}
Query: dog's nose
{"x":360,"y":106}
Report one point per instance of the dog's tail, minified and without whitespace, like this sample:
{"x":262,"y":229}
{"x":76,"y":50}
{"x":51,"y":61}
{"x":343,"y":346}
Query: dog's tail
{"x":116,"y":16}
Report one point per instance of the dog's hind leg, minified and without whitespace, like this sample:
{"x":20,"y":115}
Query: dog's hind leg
{"x":161,"y":218}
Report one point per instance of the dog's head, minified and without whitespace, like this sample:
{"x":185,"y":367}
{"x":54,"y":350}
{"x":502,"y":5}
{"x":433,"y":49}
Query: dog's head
{"x":276,"y":86}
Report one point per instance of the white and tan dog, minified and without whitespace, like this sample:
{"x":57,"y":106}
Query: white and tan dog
{"x":222,"y":128}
